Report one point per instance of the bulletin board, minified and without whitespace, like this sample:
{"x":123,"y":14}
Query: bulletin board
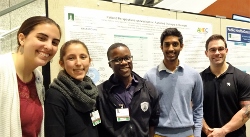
{"x":56,"y":12}
{"x":143,"y":27}
{"x":237,"y":35}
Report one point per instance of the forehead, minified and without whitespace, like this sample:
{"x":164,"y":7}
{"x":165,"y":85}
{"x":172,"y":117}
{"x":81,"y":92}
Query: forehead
{"x":216,"y":43}
{"x":49,"y":29}
{"x":120,"y":51}
{"x":171,"y":39}
{"x":76,"y":48}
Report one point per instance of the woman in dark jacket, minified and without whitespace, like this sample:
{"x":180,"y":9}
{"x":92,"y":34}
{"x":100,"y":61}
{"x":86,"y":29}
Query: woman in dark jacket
{"x":71,"y":98}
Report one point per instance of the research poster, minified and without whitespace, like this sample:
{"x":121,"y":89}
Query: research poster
{"x":238,"y":41}
{"x":99,"y":29}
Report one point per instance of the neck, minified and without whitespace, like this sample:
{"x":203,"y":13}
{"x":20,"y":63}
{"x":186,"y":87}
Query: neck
{"x":23,"y":68}
{"x":126,"y":81}
{"x":217,"y":70}
{"x":171,"y":65}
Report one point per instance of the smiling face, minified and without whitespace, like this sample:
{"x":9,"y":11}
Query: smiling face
{"x":76,"y":61}
{"x":216,"y":52}
{"x":41,"y":44}
{"x":171,"y":48}
{"x":121,"y":70}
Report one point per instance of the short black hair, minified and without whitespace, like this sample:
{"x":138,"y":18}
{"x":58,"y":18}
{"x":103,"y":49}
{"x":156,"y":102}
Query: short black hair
{"x":215,"y":37}
{"x":113,"y":46}
{"x":171,"y":32}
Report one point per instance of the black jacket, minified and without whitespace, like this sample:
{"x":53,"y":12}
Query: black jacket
{"x":62,"y":120}
{"x":140,"y":121}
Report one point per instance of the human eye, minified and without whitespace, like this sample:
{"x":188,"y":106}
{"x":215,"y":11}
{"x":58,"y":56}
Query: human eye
{"x":55,"y":42}
{"x":83,"y":57}
{"x":175,"y":44}
{"x":70,"y":58}
{"x":212,"y":50}
{"x":41,"y":38}
{"x":118,"y":59}
{"x":221,"y":48}
{"x":127,"y":58}
{"x":166,"y":44}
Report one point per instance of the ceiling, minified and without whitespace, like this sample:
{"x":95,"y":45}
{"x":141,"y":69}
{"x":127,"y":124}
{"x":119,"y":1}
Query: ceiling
{"x":195,"y":6}
{"x":209,"y":7}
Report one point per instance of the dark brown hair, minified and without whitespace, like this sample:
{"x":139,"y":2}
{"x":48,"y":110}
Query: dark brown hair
{"x":29,"y":24}
{"x":215,"y":37}
{"x":171,"y":32}
{"x":67,"y":44}
{"x":113,"y":46}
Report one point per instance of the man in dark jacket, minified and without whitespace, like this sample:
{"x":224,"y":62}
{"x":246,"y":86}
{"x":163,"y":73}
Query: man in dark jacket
{"x":128,"y":105}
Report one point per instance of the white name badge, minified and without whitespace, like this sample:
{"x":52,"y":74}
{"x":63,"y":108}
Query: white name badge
{"x":95,"y":118}
{"x":122,"y":114}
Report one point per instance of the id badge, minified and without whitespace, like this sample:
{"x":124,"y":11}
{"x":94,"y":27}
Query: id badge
{"x":122,"y":114}
{"x":95,"y":118}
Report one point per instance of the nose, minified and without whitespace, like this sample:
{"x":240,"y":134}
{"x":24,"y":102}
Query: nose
{"x":78,"y":61}
{"x":48,"y":45}
{"x":171,"y":47}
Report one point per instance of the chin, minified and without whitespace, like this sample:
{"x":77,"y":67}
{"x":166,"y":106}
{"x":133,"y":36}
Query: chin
{"x":42,"y":63}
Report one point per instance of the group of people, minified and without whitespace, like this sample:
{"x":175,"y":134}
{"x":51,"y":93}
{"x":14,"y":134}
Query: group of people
{"x":171,"y":100}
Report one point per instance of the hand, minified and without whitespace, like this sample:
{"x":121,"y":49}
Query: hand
{"x":217,"y":132}
{"x":208,"y":131}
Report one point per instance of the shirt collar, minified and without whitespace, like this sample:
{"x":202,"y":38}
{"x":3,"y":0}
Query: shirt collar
{"x":163,"y":67}
{"x":117,"y":81}
{"x":230,"y":69}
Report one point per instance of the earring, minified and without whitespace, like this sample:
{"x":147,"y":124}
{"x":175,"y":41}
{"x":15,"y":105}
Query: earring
{"x":51,"y":60}
{"x":21,"y":49}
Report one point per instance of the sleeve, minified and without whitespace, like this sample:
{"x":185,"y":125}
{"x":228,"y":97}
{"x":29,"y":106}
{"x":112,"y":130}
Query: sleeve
{"x":154,"y":97}
{"x":243,"y":86}
{"x":197,"y":100}
{"x":54,"y":114}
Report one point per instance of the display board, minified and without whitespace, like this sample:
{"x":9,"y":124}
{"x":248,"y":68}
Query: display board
{"x":99,"y":29}
{"x":238,"y":40}
{"x":56,"y":12}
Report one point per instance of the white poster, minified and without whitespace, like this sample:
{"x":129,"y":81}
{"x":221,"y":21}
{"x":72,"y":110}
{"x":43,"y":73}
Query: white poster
{"x":99,"y":29}
{"x":238,"y":41}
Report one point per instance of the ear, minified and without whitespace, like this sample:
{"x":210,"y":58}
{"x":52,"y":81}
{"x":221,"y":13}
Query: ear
{"x":182,"y":45}
{"x":206,"y":53}
{"x":21,"y":38}
{"x":161,"y":47}
{"x":109,"y":64}
{"x":61,"y":64}
{"x":226,"y":50}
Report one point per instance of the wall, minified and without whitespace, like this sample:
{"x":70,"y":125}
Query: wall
{"x":14,"y":19}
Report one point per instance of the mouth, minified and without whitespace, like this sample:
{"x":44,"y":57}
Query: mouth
{"x":171,"y":55}
{"x":124,"y":69}
{"x":44,"y":54}
{"x":78,"y":70}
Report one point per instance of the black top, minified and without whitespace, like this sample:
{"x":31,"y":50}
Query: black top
{"x":143,"y":110}
{"x":62,"y":120}
{"x":222,"y":97}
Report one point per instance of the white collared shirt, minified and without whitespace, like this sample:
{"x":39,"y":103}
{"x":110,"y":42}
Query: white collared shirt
{"x":163,"y":67}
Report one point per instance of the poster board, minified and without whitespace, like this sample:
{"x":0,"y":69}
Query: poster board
{"x":56,"y":12}
{"x":99,"y":29}
{"x":237,"y":35}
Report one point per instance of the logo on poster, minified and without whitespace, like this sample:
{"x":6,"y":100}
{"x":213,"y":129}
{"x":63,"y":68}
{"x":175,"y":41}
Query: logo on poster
{"x":202,"y":30}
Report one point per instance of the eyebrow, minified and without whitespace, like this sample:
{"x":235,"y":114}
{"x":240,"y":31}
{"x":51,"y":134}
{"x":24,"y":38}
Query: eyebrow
{"x":48,"y":36}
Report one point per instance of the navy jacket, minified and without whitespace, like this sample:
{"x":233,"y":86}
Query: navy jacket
{"x":141,"y":117}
